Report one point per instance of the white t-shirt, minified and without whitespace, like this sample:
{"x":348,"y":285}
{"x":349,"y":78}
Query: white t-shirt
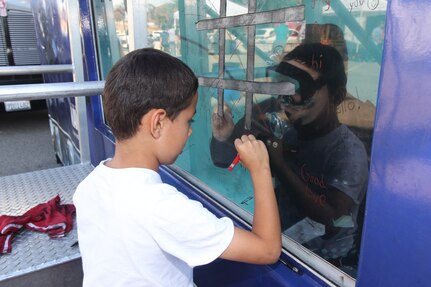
{"x":134,"y":230}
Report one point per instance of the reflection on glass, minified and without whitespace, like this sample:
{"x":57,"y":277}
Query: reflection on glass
{"x":213,"y":6}
{"x":273,"y":41}
{"x":163,"y":26}
{"x":320,"y":148}
{"x":320,"y":165}
{"x":236,"y":8}
{"x":267,"y":5}
{"x":121,"y":25}
{"x":196,"y":158}
{"x":236,"y":53}
{"x":323,"y":143}
{"x":112,"y":32}
{"x":232,"y":8}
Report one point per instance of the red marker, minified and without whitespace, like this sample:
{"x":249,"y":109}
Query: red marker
{"x":234,"y":163}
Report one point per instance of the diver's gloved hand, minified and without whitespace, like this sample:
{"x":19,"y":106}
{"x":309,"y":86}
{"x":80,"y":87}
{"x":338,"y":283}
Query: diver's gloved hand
{"x":276,"y":152}
{"x":222,"y":126}
{"x":279,"y":153}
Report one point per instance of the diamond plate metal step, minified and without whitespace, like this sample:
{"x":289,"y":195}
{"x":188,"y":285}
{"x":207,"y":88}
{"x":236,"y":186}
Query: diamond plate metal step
{"x":33,"y":251}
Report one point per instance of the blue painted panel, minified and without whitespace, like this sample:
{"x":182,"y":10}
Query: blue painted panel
{"x":395,"y":250}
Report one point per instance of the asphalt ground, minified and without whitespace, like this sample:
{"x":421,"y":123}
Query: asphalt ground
{"x":25,"y":142}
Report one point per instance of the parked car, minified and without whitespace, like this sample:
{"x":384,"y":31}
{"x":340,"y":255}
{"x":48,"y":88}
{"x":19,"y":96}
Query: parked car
{"x":265,"y":35}
{"x":154,"y":39}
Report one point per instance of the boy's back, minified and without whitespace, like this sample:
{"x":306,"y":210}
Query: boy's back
{"x":127,"y":216}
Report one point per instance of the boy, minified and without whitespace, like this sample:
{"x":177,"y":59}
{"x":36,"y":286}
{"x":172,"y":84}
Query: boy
{"x":133,"y":229}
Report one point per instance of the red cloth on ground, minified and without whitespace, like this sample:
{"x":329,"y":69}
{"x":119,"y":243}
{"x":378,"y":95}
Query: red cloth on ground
{"x":50,"y":217}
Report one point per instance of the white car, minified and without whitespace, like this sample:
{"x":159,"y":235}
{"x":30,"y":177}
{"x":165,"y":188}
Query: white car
{"x":265,"y":35}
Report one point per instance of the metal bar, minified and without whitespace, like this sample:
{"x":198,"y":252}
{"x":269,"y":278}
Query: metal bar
{"x":280,"y":88}
{"x":261,"y":54}
{"x":251,"y":31}
{"x":49,"y":91}
{"x":221,"y":60}
{"x":74,"y":25}
{"x":248,"y":110}
{"x":252,"y":7}
{"x":251,"y":47}
{"x":35,"y":69}
{"x":292,"y":14}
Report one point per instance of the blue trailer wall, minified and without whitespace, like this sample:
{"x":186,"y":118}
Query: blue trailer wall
{"x":395,"y":250}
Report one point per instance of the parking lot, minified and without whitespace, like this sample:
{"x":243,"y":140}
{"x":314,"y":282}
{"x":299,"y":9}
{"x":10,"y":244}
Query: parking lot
{"x":25,"y":142}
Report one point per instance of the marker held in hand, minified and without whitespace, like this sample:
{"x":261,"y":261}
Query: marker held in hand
{"x":234,"y":162}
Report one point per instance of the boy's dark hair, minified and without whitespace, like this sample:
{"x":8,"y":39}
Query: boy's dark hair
{"x":142,"y":80}
{"x":328,"y":62}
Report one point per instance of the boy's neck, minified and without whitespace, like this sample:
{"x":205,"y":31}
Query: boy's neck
{"x":130,"y":154}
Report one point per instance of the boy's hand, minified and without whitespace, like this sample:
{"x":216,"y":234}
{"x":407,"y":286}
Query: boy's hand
{"x":253,"y":153}
{"x":222,"y":126}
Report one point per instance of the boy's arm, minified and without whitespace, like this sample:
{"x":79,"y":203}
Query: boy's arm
{"x":261,"y":245}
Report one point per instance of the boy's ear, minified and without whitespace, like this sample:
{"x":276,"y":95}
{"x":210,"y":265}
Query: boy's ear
{"x":157,"y":120}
